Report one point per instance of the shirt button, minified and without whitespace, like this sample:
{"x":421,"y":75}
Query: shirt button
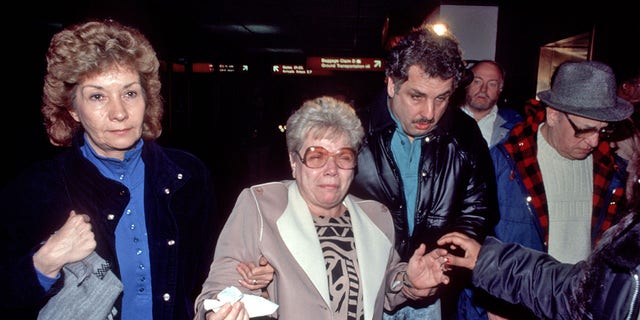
{"x":166,"y":297}
{"x":179,"y":176}
{"x":166,"y":190}
{"x":171,"y":242}
{"x":111,"y":216}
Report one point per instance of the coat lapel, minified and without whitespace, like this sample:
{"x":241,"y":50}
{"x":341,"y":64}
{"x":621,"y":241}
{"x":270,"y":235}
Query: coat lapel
{"x":373,"y":248}
{"x":298,"y":233}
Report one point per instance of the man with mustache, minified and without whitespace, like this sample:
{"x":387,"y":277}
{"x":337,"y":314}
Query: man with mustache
{"x":481,"y":102}
{"x":427,"y":161}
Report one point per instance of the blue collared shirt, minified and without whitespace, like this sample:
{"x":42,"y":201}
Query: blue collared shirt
{"x":132,"y":246}
{"x":406,"y":153}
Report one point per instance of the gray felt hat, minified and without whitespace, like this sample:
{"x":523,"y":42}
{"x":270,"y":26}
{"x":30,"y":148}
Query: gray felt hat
{"x":587,"y":89}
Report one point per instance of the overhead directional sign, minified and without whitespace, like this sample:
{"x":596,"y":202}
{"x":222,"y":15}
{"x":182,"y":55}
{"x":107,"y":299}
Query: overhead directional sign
{"x":345,"y":64}
{"x":293,"y":69}
{"x":226,"y":67}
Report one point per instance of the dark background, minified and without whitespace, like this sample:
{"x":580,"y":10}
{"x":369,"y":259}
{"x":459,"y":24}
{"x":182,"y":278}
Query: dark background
{"x":230,"y":120}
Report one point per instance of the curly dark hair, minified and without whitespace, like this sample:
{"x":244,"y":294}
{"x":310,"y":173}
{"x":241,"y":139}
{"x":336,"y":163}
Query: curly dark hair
{"x":85,"y":50}
{"x":438,"y":55}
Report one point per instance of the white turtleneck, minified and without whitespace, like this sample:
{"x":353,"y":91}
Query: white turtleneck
{"x":568,"y":186}
{"x":485,"y":123}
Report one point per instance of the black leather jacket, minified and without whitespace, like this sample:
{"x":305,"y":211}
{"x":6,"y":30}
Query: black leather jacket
{"x":456,"y":187}
{"x":605,"y":286}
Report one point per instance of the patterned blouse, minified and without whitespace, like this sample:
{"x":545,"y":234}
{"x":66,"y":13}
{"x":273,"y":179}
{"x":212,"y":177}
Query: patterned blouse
{"x":339,"y":250}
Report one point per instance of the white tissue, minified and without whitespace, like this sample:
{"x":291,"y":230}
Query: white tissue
{"x":256,"y":306}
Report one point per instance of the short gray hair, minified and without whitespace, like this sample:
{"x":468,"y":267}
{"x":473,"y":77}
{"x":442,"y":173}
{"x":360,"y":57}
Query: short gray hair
{"x":324,"y":117}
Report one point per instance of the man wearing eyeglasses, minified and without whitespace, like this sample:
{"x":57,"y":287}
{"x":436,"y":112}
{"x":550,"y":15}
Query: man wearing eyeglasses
{"x":559,"y":182}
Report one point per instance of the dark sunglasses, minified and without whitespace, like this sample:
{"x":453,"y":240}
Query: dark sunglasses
{"x":603,"y":133}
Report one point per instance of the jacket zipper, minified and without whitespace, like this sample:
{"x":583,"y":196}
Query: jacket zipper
{"x":525,"y":191}
{"x":634,"y":295}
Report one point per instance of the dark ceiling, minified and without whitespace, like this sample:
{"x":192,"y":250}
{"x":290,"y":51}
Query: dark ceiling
{"x":268,"y":32}
{"x":270,"y":28}
{"x":285,"y":29}
{"x":260,"y":29}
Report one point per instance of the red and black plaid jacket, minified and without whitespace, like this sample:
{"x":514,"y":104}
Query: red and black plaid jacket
{"x":521,"y":146}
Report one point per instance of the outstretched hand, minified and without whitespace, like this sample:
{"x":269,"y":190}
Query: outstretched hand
{"x":425,"y":272}
{"x":470,"y":246}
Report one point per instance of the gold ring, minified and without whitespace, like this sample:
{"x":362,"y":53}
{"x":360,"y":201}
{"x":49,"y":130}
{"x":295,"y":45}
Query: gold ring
{"x":255,"y":281}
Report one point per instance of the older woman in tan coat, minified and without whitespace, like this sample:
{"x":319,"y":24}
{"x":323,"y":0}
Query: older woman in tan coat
{"x":333,"y":254}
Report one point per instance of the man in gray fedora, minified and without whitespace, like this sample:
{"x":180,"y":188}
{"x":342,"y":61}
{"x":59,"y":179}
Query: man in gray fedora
{"x":559,"y":182}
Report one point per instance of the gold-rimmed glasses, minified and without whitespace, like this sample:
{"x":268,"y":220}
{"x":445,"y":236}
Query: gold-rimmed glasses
{"x":316,"y":157}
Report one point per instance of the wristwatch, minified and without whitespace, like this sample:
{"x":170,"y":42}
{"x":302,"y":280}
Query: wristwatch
{"x":397,"y":284}
{"x":400,"y":281}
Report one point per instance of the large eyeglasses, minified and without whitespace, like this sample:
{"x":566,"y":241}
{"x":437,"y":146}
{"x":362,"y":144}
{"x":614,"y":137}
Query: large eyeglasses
{"x":603,"y":133}
{"x":317,"y":157}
